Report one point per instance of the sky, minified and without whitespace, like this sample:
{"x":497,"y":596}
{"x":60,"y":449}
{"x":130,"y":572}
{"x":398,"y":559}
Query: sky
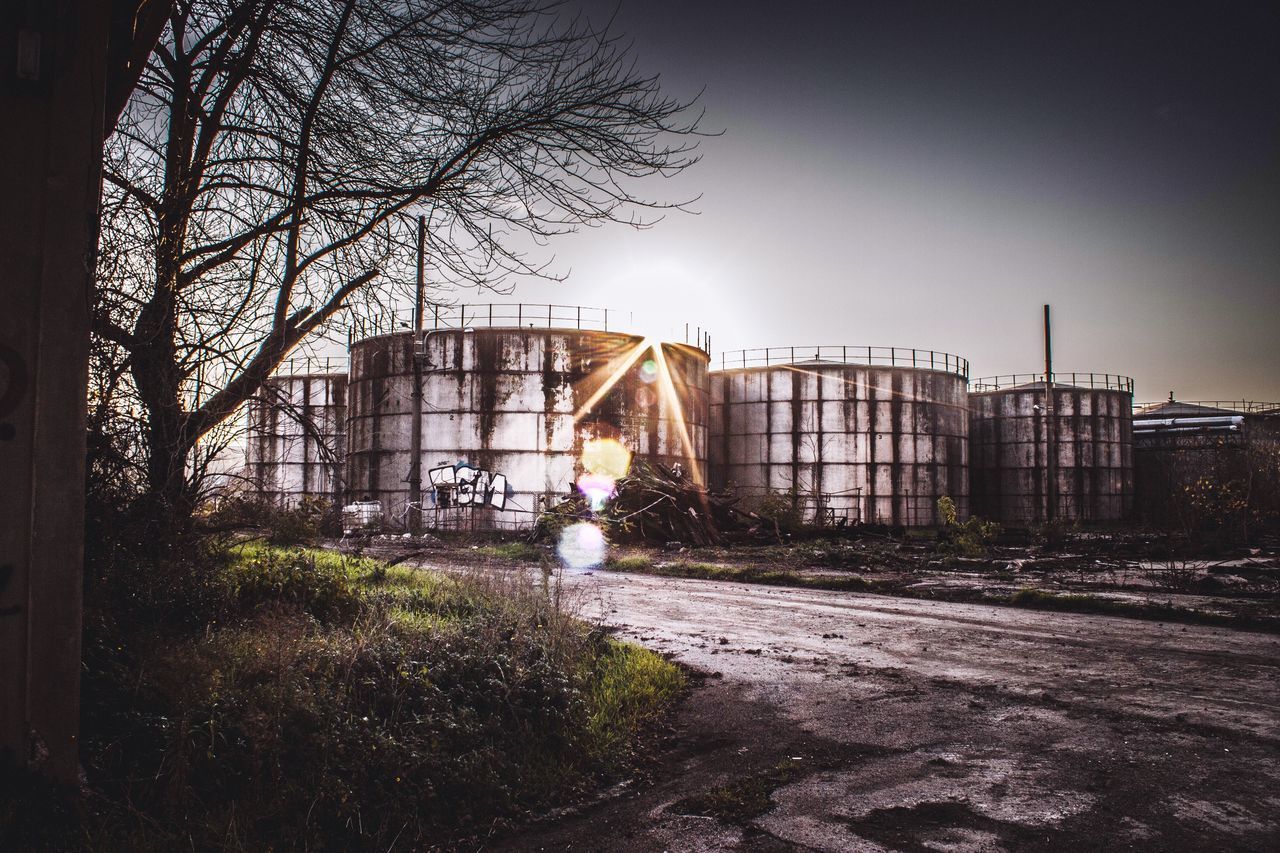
{"x":929,"y":174}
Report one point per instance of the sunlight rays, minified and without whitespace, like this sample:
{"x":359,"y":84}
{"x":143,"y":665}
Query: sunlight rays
{"x":668,"y":394}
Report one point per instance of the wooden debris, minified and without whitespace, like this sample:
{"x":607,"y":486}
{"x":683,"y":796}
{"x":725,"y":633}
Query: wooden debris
{"x":654,"y":503}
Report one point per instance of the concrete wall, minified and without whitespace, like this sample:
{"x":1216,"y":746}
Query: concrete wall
{"x":1008,"y":462}
{"x":297,"y":438}
{"x":883,"y":442}
{"x":503,"y":400}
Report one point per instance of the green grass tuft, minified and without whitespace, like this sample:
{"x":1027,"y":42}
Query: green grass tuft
{"x":630,"y":563}
{"x":522,"y":551}
{"x":629,"y":685}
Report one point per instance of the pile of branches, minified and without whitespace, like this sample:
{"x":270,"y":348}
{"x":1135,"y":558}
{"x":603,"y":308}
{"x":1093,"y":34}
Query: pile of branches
{"x":654,"y":503}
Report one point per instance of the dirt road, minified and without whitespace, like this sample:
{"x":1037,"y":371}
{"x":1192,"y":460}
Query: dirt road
{"x":837,"y":721}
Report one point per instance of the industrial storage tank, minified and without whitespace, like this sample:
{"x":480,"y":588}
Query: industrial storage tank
{"x":1193,"y":456}
{"x":1029,"y":464}
{"x":849,"y":434}
{"x":296,"y":440}
{"x":510,"y":395}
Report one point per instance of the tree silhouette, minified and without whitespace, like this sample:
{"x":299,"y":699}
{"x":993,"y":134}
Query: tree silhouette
{"x":263,"y":175}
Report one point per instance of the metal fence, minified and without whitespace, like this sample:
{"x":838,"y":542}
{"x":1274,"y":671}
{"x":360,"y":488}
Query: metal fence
{"x":925,"y":359}
{"x":1243,"y":407}
{"x":1100,"y":381}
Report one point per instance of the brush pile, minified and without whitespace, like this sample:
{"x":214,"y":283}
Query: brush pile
{"x":654,"y":503}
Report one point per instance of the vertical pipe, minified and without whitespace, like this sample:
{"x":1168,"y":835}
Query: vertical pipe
{"x":1051,"y":427}
{"x":415,"y":432}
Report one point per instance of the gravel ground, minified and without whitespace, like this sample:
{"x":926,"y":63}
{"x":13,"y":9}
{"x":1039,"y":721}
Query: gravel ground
{"x":839,"y":721}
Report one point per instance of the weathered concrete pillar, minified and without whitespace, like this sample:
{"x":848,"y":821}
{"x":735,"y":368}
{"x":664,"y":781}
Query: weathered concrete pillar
{"x":52,"y":82}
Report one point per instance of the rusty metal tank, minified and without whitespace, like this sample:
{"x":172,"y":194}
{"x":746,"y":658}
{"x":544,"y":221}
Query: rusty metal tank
{"x":296,"y":441}
{"x":510,"y":395}
{"x":1013,"y":439}
{"x":850,"y":434}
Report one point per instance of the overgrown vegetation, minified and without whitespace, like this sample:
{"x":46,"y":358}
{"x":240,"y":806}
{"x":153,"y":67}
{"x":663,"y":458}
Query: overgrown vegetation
{"x":268,"y":698}
{"x":969,"y":538}
{"x":297,"y":524}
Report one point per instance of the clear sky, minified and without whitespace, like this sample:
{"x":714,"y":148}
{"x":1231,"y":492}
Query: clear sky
{"x":928,"y":174}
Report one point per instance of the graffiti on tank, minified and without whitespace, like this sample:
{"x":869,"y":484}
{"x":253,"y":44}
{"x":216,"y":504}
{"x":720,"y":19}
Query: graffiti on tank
{"x":463,"y":485}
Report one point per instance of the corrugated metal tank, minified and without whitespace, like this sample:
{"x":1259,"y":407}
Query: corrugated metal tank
{"x":297,"y":437}
{"x":861,"y":434}
{"x":1010,"y":435}
{"x":503,"y":401}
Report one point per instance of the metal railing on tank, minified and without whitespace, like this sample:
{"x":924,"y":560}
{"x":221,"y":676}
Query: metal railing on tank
{"x":304,"y":365}
{"x":922,"y":359}
{"x":1097,"y":381}
{"x":495,"y":315}
{"x":1243,"y":407}
{"x":526,"y":315}
{"x":522,"y":315}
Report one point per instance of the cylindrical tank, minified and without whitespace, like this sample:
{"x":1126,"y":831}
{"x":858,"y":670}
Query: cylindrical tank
{"x":297,"y":437}
{"x":505,"y":414}
{"x":1081,"y":452}
{"x":849,"y":434}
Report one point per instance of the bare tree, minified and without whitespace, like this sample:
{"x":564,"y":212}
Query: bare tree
{"x":263,"y":176}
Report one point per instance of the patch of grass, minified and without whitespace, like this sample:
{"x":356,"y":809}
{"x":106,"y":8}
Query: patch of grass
{"x":1077,"y":603}
{"x":320,"y":700}
{"x":740,"y":800}
{"x":630,"y":563}
{"x":740,"y":574}
{"x":522,"y":551}
{"x":1165,"y":612}
{"x":629,"y":684}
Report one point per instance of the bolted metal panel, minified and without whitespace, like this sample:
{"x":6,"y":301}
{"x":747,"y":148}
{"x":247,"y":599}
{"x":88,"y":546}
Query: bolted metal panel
{"x":297,"y":438}
{"x":504,"y":400}
{"x":1092,"y":431}
{"x":869,"y":443}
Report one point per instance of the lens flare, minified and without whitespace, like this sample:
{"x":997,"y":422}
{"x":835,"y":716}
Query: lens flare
{"x":606,"y":456}
{"x":581,"y":546}
{"x":597,"y":489}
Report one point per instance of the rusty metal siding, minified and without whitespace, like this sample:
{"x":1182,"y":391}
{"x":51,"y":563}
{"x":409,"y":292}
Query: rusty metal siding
{"x":297,"y":438}
{"x":503,"y":400}
{"x":1093,"y":431}
{"x":871,"y":443}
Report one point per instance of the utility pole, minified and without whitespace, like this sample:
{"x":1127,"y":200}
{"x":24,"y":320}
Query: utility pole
{"x":415,"y":434}
{"x":1050,"y":428}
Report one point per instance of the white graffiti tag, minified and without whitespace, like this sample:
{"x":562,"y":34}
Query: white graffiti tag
{"x":463,"y":485}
